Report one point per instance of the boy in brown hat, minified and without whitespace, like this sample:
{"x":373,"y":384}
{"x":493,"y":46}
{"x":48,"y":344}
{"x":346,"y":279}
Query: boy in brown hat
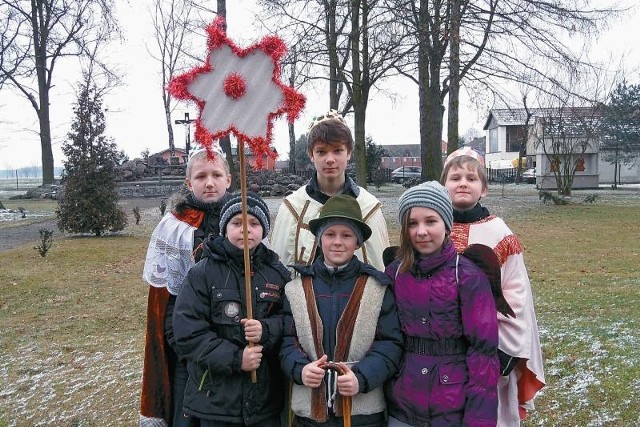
{"x":338,"y":351}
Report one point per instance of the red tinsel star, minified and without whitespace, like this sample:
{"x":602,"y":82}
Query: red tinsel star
{"x":239,"y":91}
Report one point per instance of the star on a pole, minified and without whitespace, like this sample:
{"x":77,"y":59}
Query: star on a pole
{"x":239,"y":92}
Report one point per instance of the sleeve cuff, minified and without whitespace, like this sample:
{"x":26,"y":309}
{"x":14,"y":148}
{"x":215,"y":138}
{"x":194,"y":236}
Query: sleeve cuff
{"x":297,"y":373}
{"x":362,"y":383}
{"x":236,"y":364}
{"x":264,"y":338}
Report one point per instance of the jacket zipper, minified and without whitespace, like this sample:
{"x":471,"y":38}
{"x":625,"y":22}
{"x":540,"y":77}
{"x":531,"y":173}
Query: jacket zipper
{"x":204,"y":376}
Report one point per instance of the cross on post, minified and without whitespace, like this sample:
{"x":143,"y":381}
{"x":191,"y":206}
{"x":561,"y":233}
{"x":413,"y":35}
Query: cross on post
{"x":186,"y":122}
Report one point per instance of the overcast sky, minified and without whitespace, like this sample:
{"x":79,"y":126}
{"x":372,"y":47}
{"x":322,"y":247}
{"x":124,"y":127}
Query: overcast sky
{"x":135,"y":117}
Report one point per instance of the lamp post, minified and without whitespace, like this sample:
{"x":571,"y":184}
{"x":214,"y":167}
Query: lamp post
{"x":186,"y":122}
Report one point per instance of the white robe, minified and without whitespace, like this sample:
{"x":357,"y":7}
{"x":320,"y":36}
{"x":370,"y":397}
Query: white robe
{"x":170,"y":254}
{"x":519,"y":337}
{"x":292,"y":240}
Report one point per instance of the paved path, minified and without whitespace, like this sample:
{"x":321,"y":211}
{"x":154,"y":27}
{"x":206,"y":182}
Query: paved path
{"x":17,"y":236}
{"x":11,"y":237}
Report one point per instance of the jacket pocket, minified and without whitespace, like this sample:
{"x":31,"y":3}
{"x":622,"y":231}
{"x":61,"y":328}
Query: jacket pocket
{"x":269,"y":299}
{"x":226,"y":306}
{"x":449,"y":394}
{"x":453,"y":373}
{"x":199,"y":378}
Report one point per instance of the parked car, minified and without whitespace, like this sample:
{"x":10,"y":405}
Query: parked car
{"x":404,"y":173}
{"x":529,"y":176}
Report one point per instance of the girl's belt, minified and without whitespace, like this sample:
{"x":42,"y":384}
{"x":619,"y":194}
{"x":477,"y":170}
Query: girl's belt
{"x":441,"y":347}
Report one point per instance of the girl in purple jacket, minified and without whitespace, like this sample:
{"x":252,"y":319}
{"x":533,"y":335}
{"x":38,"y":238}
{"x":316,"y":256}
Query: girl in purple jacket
{"x":447,"y":312}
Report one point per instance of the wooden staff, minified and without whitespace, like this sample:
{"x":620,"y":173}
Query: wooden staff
{"x":346,"y":400}
{"x":245,"y":242}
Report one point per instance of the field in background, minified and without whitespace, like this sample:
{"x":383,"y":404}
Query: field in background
{"x":21,"y":184}
{"x":73,"y":322}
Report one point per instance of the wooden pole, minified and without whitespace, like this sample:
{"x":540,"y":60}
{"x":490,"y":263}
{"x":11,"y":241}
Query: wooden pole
{"x":245,"y":241}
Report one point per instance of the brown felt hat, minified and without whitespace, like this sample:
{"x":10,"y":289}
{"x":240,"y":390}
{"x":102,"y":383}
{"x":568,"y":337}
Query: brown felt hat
{"x":341,"y":207}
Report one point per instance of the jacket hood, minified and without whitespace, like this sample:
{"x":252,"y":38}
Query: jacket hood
{"x":220,"y":249}
{"x":355,"y":266}
{"x":424,"y":266}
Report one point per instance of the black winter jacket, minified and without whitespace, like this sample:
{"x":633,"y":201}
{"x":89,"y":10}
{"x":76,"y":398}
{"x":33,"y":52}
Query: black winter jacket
{"x":209,"y":335}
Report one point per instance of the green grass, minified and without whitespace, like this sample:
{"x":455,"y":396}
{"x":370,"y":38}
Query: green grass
{"x":584,"y":265}
{"x":73,"y":326}
{"x":73,"y":322}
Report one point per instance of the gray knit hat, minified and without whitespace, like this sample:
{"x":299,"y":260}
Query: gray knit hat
{"x":255,"y":206}
{"x":430,"y":195}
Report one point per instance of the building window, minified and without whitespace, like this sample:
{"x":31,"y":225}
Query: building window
{"x":515,"y":138}
{"x":493,"y":140}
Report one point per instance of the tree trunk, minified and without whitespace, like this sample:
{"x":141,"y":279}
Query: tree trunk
{"x":292,"y":130}
{"x":225,"y":143}
{"x":431,"y":120}
{"x":359,"y":94}
{"x":45,"y":136}
{"x":431,"y":123}
{"x":332,"y":49}
{"x":292,"y":148}
{"x":360,"y":113}
{"x":40,"y":52}
{"x":429,"y":94}
{"x":167,"y":116}
{"x":454,"y":79}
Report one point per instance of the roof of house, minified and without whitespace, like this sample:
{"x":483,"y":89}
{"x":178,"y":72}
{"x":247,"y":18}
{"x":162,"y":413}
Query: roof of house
{"x":478,"y":144}
{"x":577,"y":122}
{"x":408,"y":150}
{"x":570,"y":120}
{"x":166,"y":150}
{"x":403,"y":150}
{"x":570,"y":116}
{"x":511,"y":116}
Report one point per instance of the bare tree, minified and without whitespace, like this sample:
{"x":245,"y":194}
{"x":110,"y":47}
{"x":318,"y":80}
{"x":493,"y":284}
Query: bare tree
{"x":564,"y":135}
{"x":38,"y":34}
{"x":319,"y":30}
{"x":177,"y":29}
{"x":355,"y":44}
{"x":170,"y":25}
{"x":567,"y":130}
{"x":494,"y":44}
{"x":293,"y":63}
{"x":439,"y":64}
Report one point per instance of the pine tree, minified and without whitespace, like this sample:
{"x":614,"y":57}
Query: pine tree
{"x":90,"y":200}
{"x":621,"y":125}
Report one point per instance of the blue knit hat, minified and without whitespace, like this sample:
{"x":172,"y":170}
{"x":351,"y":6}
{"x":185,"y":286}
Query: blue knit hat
{"x":430,"y":195}
{"x":255,"y":206}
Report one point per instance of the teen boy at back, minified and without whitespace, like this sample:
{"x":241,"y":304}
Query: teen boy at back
{"x":519,"y":349}
{"x":330,"y":145}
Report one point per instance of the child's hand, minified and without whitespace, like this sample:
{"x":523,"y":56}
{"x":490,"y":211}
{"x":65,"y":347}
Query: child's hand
{"x":348,"y":382}
{"x":251,"y":358}
{"x":252,"y":330}
{"x":312,"y":373}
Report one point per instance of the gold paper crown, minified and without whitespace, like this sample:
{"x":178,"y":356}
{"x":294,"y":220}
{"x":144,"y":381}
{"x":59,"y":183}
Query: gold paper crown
{"x":331,"y":115}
